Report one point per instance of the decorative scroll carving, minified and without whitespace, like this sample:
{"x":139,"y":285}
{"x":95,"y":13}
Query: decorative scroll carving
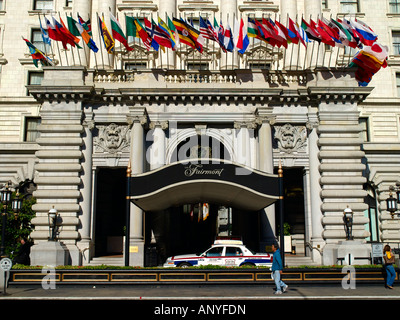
{"x":112,"y":138}
{"x":290,"y":138}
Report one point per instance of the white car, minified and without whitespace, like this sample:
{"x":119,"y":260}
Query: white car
{"x":230,"y":253}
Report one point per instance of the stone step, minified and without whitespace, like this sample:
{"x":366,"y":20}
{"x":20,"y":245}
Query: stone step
{"x":294,"y":261}
{"x":109,"y":261}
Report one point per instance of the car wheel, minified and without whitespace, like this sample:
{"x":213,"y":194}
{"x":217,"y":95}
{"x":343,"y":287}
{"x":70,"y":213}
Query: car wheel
{"x":248,"y":264}
{"x":184,"y":265}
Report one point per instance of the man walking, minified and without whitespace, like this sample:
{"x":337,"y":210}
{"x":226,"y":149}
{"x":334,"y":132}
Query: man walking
{"x":277,"y":268}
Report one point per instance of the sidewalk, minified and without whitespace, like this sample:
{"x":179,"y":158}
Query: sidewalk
{"x":199,"y":292}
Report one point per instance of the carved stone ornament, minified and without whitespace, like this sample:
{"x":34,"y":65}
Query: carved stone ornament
{"x":112,"y":138}
{"x":290,"y":138}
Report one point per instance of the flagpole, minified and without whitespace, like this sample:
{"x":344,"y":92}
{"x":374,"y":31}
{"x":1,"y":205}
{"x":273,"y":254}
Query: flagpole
{"x":72,"y":52}
{"x":312,"y":50}
{"x":45,"y":49}
{"x":84,"y":52}
{"x":306,"y":49}
{"x":100,"y":41}
{"x":58,"y":49}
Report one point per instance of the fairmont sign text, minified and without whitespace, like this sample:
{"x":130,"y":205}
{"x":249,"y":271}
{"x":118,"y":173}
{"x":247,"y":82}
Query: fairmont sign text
{"x":197,"y":169}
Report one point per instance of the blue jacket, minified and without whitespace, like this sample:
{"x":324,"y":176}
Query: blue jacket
{"x":277,"y":261}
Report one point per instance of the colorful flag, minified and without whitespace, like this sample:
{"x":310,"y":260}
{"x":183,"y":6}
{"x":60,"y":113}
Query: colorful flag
{"x":117,"y":32}
{"x":45,"y":34}
{"x":347,"y":38}
{"x":368,"y":62}
{"x":206,"y":211}
{"x":66,"y":36}
{"x":53,"y":32}
{"x":72,"y":27}
{"x":205,"y":30}
{"x":325,"y":36}
{"x":86,"y":25}
{"x":243,"y":40}
{"x":150,"y":30}
{"x":173,"y":29}
{"x":281,"y":35}
{"x":38,"y":55}
{"x":143,"y":34}
{"x":131,"y":31}
{"x":288,"y":33}
{"x":228,"y":39}
{"x":108,"y":40}
{"x":347,"y":25}
{"x":160,"y":36}
{"x":163,"y":26}
{"x":188,"y":35}
{"x":365,"y":33}
{"x":310,"y":30}
{"x":331,"y":30}
{"x":86,"y":38}
{"x":252,"y":29}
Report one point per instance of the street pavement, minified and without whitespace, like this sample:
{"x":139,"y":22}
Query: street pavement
{"x":199,"y":292}
{"x":202,"y":301}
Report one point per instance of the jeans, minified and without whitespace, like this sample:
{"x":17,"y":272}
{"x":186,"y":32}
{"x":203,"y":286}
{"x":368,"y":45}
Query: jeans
{"x":278,"y":282}
{"x":390,"y":275}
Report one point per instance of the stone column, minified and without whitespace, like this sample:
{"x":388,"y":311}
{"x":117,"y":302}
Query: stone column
{"x":317,"y":242}
{"x":167,"y":59}
{"x":103,"y":8}
{"x":266,"y":164}
{"x":313,"y":9}
{"x":228,"y":60}
{"x":59,"y":155}
{"x":341,"y":174}
{"x":85,"y":245}
{"x":136,"y":241}
{"x":288,"y":9}
{"x":157,"y":155}
{"x":84,"y":9}
{"x":243,"y":135}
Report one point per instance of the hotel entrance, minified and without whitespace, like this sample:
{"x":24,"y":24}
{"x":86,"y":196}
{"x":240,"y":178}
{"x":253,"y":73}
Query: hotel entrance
{"x":192,"y":228}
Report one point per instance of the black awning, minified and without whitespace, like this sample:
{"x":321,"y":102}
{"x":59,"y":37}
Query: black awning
{"x":216,"y":181}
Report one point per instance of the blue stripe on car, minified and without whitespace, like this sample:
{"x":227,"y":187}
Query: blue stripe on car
{"x":192,"y":262}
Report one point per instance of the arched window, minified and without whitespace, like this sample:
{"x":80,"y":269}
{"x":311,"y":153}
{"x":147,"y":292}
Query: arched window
{"x":200,"y":147}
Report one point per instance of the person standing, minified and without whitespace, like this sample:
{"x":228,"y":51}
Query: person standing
{"x":388,"y":256}
{"x":277,"y":269}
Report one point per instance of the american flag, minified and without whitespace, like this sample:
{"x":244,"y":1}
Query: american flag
{"x":206,"y":30}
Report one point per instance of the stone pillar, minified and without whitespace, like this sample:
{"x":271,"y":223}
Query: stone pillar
{"x":228,"y":60}
{"x":103,"y":8}
{"x":167,"y":59}
{"x":341,"y":174}
{"x":136,"y":239}
{"x":312,"y":10}
{"x":288,"y":9}
{"x":266,"y":164}
{"x":84,"y":9}
{"x":86,"y":244}
{"x":157,"y":153}
{"x":59,"y":156}
{"x":243,"y":152}
{"x":317,"y":242}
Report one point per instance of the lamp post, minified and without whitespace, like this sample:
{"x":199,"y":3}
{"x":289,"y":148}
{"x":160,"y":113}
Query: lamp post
{"x":52,"y":217}
{"x":348,"y":223}
{"x":16,"y":203}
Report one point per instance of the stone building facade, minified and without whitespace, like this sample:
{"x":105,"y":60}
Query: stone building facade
{"x":72,"y":129}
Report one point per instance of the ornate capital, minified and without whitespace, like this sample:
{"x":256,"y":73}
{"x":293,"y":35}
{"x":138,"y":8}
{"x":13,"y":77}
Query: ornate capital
{"x":158,"y":124}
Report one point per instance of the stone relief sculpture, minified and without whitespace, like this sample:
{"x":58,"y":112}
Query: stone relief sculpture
{"x":290,"y":138}
{"x":112,"y":138}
